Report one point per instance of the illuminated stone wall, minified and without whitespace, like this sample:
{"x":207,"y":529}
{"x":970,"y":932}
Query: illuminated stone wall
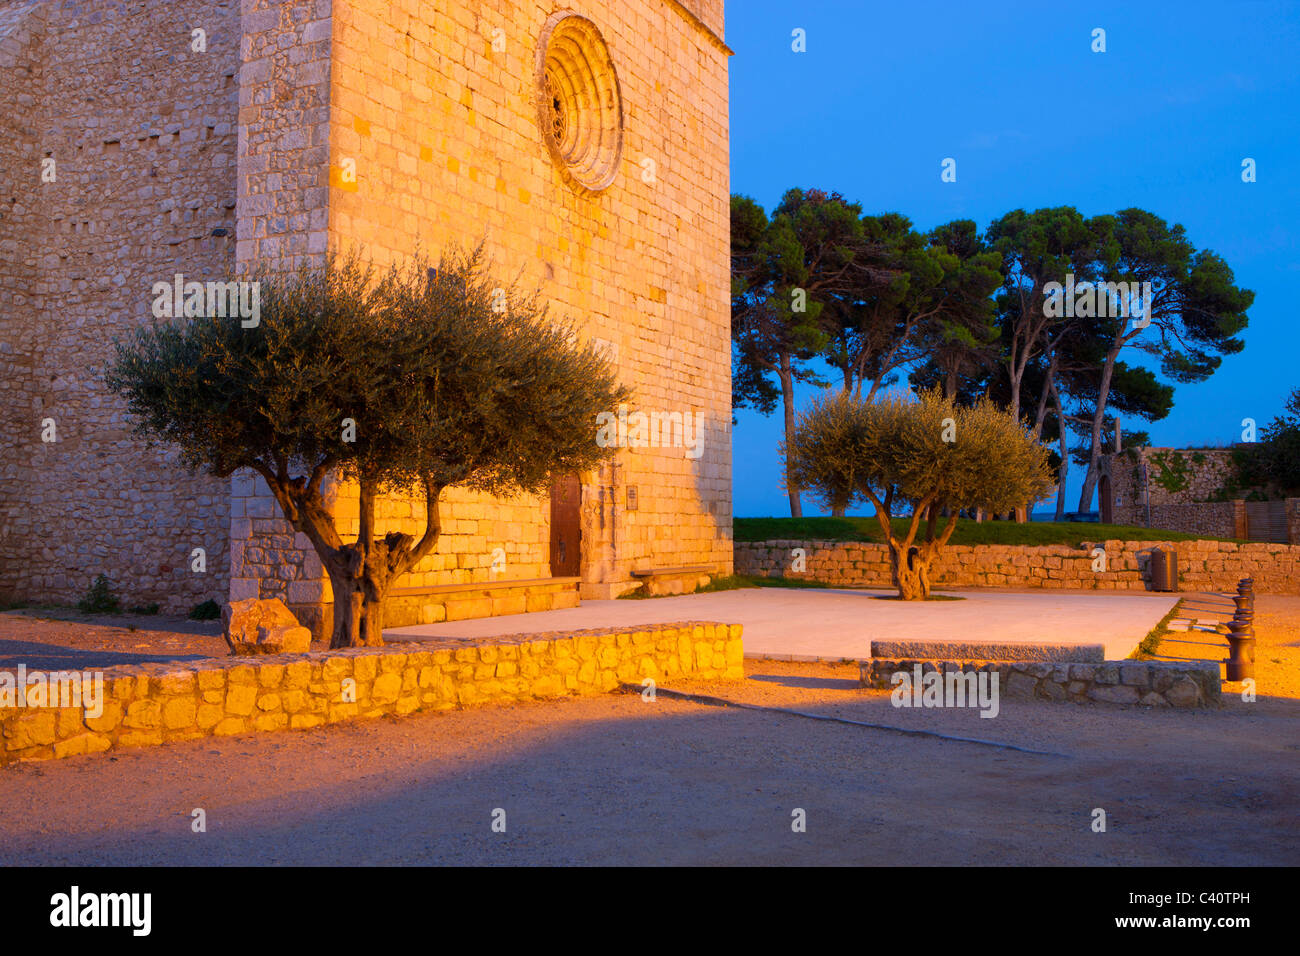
{"x":149,"y":704}
{"x":219,"y":162}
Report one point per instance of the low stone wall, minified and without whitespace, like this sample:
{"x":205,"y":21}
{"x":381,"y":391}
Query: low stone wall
{"x":1203,"y":565}
{"x":152,"y":704}
{"x":1151,"y":683}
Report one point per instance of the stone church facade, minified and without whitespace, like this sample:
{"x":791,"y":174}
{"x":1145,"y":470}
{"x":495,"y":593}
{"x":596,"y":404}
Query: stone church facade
{"x":585,"y":142}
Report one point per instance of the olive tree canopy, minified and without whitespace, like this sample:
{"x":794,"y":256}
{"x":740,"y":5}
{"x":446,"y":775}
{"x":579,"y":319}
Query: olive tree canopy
{"x":410,"y":379}
{"x":916,"y":460}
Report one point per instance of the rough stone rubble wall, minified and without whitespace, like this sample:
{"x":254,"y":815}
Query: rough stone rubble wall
{"x":1190,"y":510}
{"x":1224,"y":519}
{"x":142,"y":131}
{"x":22,"y":35}
{"x":151,"y":704}
{"x":1203,"y":565}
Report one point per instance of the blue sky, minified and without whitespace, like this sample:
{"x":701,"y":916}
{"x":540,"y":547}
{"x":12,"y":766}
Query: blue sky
{"x":1162,"y":120}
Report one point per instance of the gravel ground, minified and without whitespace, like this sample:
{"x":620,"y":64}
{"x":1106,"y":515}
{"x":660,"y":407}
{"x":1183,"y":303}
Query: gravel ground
{"x":616,"y":779}
{"x":66,"y":639}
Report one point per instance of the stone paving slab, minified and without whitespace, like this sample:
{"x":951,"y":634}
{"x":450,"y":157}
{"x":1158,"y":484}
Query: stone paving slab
{"x":835,"y":624}
{"x":977,"y":651}
{"x":1194,"y":624}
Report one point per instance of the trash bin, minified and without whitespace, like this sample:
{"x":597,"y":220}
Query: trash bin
{"x":1164,"y":570}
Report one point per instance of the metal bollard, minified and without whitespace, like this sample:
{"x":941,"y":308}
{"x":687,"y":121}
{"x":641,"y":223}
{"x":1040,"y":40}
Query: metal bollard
{"x":1241,"y":637}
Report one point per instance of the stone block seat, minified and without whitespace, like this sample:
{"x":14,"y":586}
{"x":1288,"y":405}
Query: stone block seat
{"x":682,"y":580}
{"x":432,"y":604}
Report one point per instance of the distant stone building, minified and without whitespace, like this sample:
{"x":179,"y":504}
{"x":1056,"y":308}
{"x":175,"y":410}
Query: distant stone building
{"x":1192,"y":490}
{"x":587,"y":142}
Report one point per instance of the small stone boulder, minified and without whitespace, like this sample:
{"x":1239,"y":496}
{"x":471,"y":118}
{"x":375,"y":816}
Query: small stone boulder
{"x":257,"y":626}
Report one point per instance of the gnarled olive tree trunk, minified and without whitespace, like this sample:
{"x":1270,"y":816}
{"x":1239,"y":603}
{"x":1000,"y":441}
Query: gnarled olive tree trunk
{"x":362,"y":572}
{"x":909,"y":560}
{"x":911,"y":571}
{"x":360,"y":579}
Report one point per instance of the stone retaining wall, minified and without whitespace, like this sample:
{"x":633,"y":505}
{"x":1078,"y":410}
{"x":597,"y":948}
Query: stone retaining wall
{"x":151,"y":704}
{"x":1203,"y":565}
{"x":1152,"y":683}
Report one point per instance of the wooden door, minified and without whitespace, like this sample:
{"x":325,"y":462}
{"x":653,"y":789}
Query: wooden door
{"x":1266,"y":521}
{"x":566,"y":527}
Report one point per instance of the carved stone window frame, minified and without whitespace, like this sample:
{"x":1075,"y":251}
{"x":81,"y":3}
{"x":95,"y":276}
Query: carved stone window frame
{"x":579,"y":101}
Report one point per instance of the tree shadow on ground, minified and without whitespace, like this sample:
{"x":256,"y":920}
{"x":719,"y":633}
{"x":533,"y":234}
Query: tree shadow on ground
{"x":53,"y":657}
{"x":170,"y":623}
{"x":667,"y":784}
{"x":813,"y":683}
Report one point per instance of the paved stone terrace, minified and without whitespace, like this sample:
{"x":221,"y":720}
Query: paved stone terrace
{"x":834,"y":624}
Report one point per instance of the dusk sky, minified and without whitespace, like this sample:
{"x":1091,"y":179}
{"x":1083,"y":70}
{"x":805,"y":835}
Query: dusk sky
{"x":1162,"y":120}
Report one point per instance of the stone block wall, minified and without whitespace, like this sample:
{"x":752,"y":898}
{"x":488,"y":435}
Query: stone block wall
{"x":141,"y":130}
{"x":1150,"y":683}
{"x":1203,"y":565}
{"x":437,"y":107}
{"x":152,"y":704}
{"x":223,"y":162}
{"x":282,"y":215}
{"x":22,"y":35}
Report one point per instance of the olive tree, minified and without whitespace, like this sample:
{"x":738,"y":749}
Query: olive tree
{"x":406,"y":380}
{"x":918,"y":462}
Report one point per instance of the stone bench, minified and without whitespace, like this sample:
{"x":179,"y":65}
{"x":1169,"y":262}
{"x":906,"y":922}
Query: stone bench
{"x":433,"y":604}
{"x":682,"y":580}
{"x":989,"y":651}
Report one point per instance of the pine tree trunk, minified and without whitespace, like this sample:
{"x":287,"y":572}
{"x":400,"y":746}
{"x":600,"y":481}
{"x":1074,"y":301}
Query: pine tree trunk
{"x":1064,"y":451}
{"x":1098,"y":418}
{"x":787,"y":399}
